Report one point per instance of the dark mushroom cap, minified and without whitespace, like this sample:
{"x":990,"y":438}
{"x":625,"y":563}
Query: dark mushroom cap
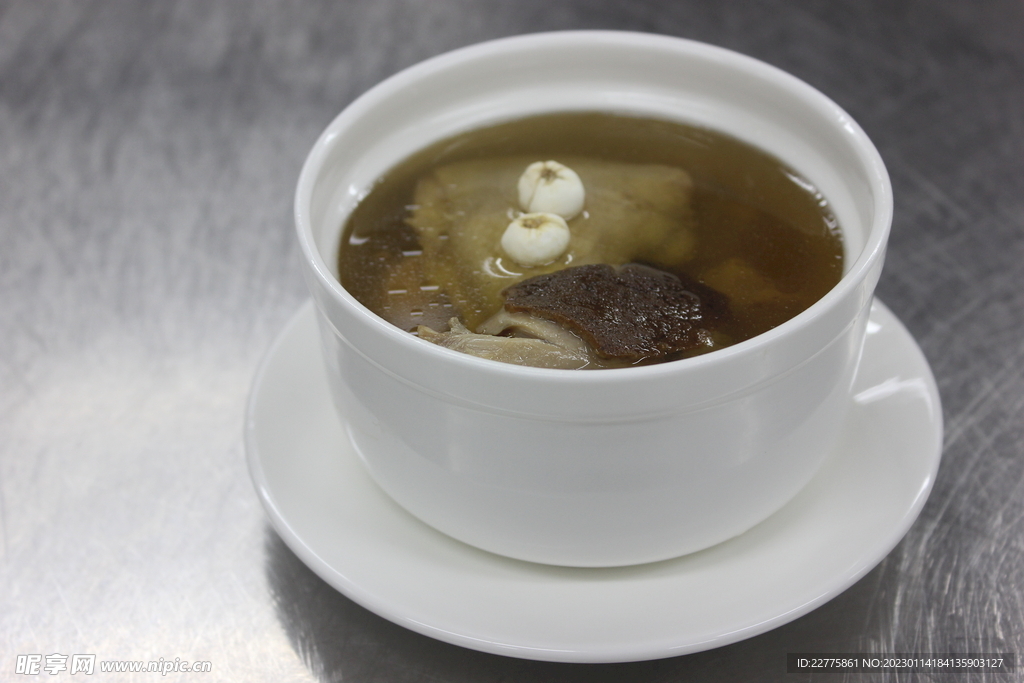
{"x":631,"y":313}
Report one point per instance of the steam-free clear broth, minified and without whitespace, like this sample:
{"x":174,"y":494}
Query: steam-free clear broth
{"x":764,"y":236}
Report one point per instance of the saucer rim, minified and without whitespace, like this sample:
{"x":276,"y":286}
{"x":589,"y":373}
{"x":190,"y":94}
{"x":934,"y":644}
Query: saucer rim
{"x":667,"y":646}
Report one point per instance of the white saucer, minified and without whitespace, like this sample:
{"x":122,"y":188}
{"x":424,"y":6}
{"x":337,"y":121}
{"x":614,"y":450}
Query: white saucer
{"x":351,"y":534}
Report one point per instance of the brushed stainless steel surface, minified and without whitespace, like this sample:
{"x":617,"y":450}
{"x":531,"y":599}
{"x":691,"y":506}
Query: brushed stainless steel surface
{"x":148,"y":155}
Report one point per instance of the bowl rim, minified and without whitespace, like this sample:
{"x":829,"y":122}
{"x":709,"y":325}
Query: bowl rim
{"x":876,"y":235}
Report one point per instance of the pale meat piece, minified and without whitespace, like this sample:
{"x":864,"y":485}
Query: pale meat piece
{"x":535,"y":352}
{"x":633,"y":212}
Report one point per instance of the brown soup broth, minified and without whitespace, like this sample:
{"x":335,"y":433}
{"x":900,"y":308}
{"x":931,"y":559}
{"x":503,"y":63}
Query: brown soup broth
{"x":764,"y":236}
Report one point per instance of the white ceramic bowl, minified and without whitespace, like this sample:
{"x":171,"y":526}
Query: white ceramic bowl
{"x":601,"y":467}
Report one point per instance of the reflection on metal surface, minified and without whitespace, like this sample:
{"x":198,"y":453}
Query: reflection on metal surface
{"x":340,"y":641}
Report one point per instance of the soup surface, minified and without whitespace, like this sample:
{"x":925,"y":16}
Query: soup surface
{"x":710,"y":242}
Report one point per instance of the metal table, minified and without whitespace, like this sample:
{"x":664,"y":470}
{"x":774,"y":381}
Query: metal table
{"x":148,"y":155}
